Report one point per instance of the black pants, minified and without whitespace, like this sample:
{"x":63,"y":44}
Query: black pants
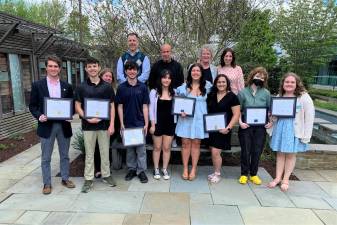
{"x":252,"y":142}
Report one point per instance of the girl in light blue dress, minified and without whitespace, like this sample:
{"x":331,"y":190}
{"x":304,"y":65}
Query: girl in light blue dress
{"x":191,"y":129}
{"x":291,"y":135}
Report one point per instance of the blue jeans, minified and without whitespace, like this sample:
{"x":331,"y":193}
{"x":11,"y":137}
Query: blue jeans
{"x":47,"y":145}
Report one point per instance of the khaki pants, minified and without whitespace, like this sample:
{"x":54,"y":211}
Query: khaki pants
{"x":90,"y":138}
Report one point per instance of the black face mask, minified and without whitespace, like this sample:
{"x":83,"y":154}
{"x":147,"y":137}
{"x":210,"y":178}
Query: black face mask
{"x":258,"y":82}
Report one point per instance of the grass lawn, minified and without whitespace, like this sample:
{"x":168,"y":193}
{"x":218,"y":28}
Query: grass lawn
{"x":328,"y":93}
{"x":325,"y":105}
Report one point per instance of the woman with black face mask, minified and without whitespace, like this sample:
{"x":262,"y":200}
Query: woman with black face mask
{"x":252,"y":138}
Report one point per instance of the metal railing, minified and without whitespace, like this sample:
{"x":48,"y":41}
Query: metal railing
{"x":326,"y":80}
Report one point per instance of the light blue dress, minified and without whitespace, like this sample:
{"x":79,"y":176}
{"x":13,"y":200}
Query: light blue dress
{"x":283,"y":137}
{"x":193,"y":127}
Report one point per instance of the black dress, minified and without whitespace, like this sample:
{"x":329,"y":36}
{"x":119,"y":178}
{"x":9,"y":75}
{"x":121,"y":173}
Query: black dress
{"x":217,"y":139}
{"x":208,"y":74}
{"x":165,"y":119}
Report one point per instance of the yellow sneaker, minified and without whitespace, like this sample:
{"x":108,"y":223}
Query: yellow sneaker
{"x":256,"y":180}
{"x":243,"y":179}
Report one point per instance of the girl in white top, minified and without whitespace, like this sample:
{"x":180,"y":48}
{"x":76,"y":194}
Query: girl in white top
{"x":291,"y":135}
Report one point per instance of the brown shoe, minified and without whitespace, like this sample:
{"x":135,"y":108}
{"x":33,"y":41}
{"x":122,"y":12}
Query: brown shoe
{"x":46,"y":189}
{"x":68,"y":183}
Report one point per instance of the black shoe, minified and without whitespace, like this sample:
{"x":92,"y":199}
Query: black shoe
{"x":130,"y":175}
{"x":142,"y":177}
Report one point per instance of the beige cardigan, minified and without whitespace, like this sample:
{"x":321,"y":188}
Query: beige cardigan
{"x":304,"y":118}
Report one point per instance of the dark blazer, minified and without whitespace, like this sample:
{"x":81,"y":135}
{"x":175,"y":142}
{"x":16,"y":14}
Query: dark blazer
{"x":36,"y":107}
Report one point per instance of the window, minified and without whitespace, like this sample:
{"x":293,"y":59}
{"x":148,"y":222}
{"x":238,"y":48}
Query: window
{"x":26,"y":77}
{"x":5,"y":86}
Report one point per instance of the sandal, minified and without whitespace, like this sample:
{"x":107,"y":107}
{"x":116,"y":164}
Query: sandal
{"x":284,"y":186}
{"x":184,"y":176}
{"x":273,"y":183}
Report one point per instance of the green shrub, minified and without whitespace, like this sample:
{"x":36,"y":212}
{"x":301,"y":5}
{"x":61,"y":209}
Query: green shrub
{"x":78,"y":142}
{"x":3,"y":147}
{"x":17,"y":137}
{"x":325,"y":105}
{"x":327,"y":93}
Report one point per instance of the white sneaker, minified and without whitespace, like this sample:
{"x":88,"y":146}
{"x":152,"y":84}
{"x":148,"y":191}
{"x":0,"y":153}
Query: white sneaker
{"x":174,"y":143}
{"x":156,"y":174}
{"x":166,"y":175}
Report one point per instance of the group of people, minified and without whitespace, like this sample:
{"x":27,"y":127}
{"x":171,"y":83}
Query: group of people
{"x":144,"y":98}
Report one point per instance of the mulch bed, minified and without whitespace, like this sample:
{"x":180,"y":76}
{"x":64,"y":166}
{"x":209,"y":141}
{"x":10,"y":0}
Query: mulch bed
{"x":77,"y":165}
{"x":17,"y":144}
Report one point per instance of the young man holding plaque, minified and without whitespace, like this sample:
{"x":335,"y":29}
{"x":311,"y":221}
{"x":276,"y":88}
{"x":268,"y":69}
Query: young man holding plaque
{"x":48,"y":130}
{"x":133,"y":98}
{"x":252,"y":136}
{"x":95,"y":128}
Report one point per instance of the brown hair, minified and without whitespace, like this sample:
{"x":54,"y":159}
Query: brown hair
{"x":107,"y":70}
{"x":53,"y":58}
{"x":253,"y":72}
{"x":299,"y":90}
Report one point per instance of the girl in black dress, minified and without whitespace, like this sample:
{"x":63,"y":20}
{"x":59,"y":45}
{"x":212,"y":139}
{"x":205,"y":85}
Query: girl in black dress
{"x":162,"y":122}
{"x":221,"y":100}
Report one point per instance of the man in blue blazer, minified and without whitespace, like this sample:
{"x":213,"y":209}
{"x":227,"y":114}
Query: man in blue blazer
{"x":48,"y":130}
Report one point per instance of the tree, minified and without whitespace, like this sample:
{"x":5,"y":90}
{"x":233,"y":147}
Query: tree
{"x":51,"y":13}
{"x":307,"y":30}
{"x":255,"y":42}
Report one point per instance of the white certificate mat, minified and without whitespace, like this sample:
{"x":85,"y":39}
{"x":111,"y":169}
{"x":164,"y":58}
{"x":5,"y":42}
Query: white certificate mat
{"x":214,"y":122}
{"x":256,"y":116}
{"x":183,"y":104}
{"x":133,"y":136}
{"x":283,"y":106}
{"x":96,"y":108}
{"x":58,"y":108}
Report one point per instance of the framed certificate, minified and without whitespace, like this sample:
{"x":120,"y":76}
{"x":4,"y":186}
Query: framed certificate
{"x":97,"y":108}
{"x":214,"y":122}
{"x":283,"y":106}
{"x":133,"y":136}
{"x":255,"y":116}
{"x":58,"y":108}
{"x":183,"y":104}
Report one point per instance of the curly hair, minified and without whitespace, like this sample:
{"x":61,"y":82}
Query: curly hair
{"x":202,"y":81}
{"x":299,"y":90}
{"x":253,"y":72}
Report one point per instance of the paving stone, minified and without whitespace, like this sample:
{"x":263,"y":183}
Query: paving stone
{"x":271,"y":197}
{"x":109,"y":202}
{"x":320,"y":120}
{"x":122,"y":185}
{"x":329,"y":217}
{"x":40,"y":202}
{"x":58,"y":218}
{"x":137,"y":219}
{"x":278,"y":216}
{"x":332,"y":202}
{"x":309,"y":202}
{"x":329,"y":175}
{"x":34,"y":184}
{"x":170,"y":203}
{"x":329,"y":187}
{"x":32,"y":218}
{"x":231,"y":172}
{"x":203,"y":199}
{"x":170,"y":219}
{"x":305,"y":188}
{"x":230,"y":192}
{"x":97,"y":219}
{"x":215,"y":214}
{"x":10,"y":216}
{"x":152,"y":186}
{"x":6,"y":183}
{"x":308,"y":175}
{"x":198,"y":185}
{"x":3,"y":196}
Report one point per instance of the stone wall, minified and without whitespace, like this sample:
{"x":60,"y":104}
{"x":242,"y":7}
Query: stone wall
{"x":320,"y":156}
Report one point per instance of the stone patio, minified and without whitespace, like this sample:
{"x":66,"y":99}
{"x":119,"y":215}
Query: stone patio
{"x":311,"y":201}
